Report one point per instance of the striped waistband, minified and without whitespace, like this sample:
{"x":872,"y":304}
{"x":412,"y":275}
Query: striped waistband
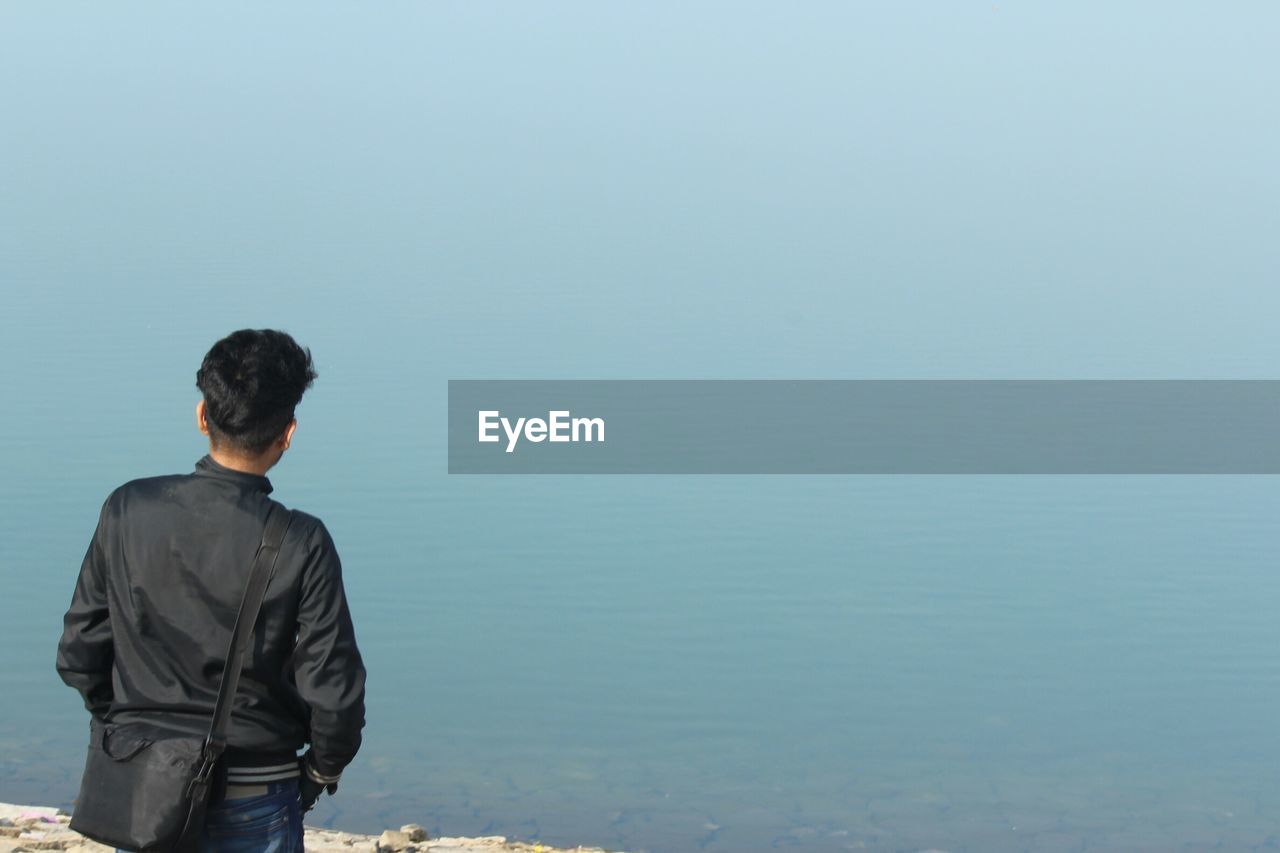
{"x":237,"y":775}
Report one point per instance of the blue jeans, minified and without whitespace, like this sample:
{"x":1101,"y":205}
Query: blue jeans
{"x":270,"y":823}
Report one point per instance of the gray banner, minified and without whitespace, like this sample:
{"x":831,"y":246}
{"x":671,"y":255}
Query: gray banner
{"x":864,"y":427}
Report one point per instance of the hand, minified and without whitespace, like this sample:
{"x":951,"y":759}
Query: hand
{"x":309,"y":790}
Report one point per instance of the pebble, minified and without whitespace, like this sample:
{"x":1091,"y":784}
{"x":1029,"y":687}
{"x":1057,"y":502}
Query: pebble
{"x":393,"y":839}
{"x":415,"y":832}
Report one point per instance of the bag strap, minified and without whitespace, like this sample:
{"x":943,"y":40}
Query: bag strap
{"x":264,"y":566}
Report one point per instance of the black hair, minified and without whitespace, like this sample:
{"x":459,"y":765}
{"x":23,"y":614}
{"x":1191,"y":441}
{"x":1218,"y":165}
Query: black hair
{"x":252,"y":380}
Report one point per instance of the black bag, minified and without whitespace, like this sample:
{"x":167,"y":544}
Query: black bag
{"x":147,"y":789}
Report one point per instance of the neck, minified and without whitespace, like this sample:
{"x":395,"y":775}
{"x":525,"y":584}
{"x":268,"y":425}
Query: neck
{"x":259,"y":465}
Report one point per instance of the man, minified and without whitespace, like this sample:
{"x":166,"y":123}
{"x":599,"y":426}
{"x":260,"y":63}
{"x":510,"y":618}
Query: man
{"x":158,"y":592}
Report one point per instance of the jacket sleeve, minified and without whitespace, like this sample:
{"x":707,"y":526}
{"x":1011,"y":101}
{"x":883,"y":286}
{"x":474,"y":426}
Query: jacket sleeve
{"x":328,"y":670}
{"x":86,"y":652}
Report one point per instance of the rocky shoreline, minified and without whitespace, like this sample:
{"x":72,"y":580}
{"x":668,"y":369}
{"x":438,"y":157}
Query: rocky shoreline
{"x":31,"y":828}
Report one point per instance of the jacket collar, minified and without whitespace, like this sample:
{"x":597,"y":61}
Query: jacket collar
{"x":209,"y":468}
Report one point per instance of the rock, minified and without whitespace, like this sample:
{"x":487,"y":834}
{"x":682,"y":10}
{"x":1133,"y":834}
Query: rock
{"x":394,"y":840}
{"x":14,"y":812}
{"x":342,"y":838}
{"x":416,"y":833}
{"x":28,"y":829}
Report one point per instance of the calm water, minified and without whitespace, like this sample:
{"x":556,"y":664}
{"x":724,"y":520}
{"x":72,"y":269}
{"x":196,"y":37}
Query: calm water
{"x":677,"y":663}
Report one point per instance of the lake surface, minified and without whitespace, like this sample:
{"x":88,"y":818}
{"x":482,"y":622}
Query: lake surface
{"x":730,"y":664}
{"x":677,"y":663}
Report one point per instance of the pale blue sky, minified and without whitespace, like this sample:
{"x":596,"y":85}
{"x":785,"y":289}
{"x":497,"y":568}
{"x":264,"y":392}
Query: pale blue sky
{"x":622,"y":189}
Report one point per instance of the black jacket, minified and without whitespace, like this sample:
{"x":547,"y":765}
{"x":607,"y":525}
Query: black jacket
{"x":148,"y":628}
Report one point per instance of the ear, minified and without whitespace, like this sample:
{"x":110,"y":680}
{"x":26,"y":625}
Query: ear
{"x":201,"y":423}
{"x":287,"y":438}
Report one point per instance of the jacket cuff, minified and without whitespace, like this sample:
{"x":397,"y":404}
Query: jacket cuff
{"x":315,"y":775}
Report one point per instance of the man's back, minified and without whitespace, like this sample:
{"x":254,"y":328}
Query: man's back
{"x":169,"y":561}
